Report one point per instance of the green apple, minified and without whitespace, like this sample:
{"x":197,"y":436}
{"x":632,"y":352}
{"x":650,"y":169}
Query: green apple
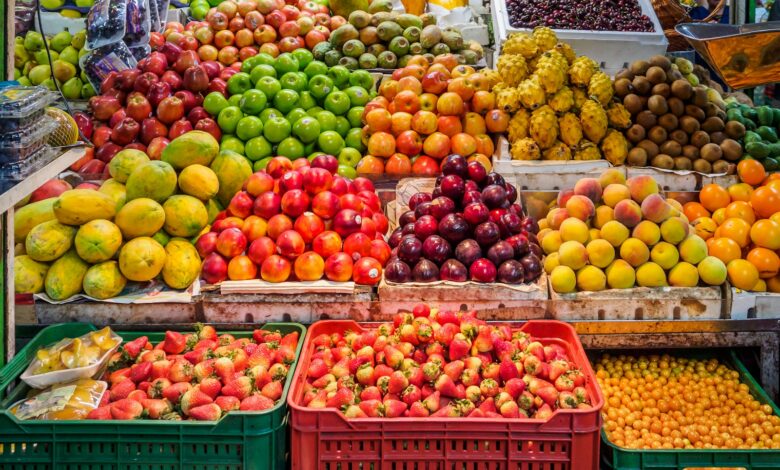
{"x":340,"y":75}
{"x":293,"y":81}
{"x":258,"y":148}
{"x":266,"y":59}
{"x":362,"y":79}
{"x":269,"y":85}
{"x":337,"y":102}
{"x":228,"y":119}
{"x":249,"y":64}
{"x":327,"y":120}
{"x":358,"y":96}
{"x":276,"y":129}
{"x":295,"y":114}
{"x":291,"y":148}
{"x":330,"y":142}
{"x":315,"y":68}
{"x":347,"y":171}
{"x":261,"y":164}
{"x":342,"y":126}
{"x":239,"y":83}
{"x":269,"y":113}
{"x":349,"y":157}
{"x":249,"y":127}
{"x":215,"y":102}
{"x":286,"y":62}
{"x":354,"y":139}
{"x":314,"y":111}
{"x":307,"y":129}
{"x":320,"y":86}
{"x":232,"y":143}
{"x":235,"y":100}
{"x":260,"y":71}
{"x":304,"y":57}
{"x":306,"y":101}
{"x":286,"y":100}
{"x":253,"y":102}
{"x":355,"y":116}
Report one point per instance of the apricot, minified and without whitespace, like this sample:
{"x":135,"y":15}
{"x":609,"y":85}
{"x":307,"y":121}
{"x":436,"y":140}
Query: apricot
{"x":600,"y":253}
{"x":620,"y":275}
{"x":615,"y":193}
{"x":641,"y":186}
{"x":628,"y":213}
{"x":590,"y":188}
{"x":555,"y":217}
{"x":712,"y":271}
{"x":614,"y":232}
{"x":684,"y":275}
{"x":612,"y":176}
{"x":551,"y":242}
{"x":551,"y":262}
{"x":674,"y":230}
{"x":656,"y":209}
{"x":693,"y":249}
{"x":563,"y":280}
{"x":665,"y":255}
{"x":572,"y":254}
{"x":603,"y":215}
{"x":591,"y":278}
{"x":574,"y":229}
{"x":650,"y":275}
{"x":648,"y":232}
{"x":580,"y":207}
{"x":634,"y":251}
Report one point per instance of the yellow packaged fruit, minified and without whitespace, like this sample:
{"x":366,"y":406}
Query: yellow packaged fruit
{"x":65,"y":401}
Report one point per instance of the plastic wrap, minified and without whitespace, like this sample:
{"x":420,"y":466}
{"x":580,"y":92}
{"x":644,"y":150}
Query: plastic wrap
{"x":154,"y":16}
{"x":106,"y":23}
{"x":137,"y":24}
{"x":66,"y":401}
{"x":23,"y":106}
{"x":104,"y":60}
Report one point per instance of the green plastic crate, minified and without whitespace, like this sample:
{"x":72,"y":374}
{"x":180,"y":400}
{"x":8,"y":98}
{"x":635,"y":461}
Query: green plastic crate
{"x":619,"y":458}
{"x":240,"y":440}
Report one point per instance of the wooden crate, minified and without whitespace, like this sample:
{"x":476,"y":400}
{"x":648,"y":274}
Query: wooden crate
{"x":746,"y":305}
{"x":107,"y":313}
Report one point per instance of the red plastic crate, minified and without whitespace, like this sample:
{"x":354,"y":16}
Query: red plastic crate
{"x":325,"y":439}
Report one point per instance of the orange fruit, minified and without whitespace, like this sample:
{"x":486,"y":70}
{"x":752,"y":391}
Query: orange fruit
{"x":765,"y":201}
{"x":773,"y":284}
{"x":775,"y":217}
{"x":741,"y":210}
{"x":742,"y":274}
{"x":772,"y":177}
{"x":766,"y":234}
{"x":751,"y":172}
{"x":719,"y":215}
{"x":693,"y":210}
{"x":740,"y":192}
{"x":705,"y":227}
{"x":760,"y":286}
{"x":713,"y":197}
{"x":735,"y":229}
{"x":725,"y":249}
{"x":766,"y":261}
{"x":774,"y":184}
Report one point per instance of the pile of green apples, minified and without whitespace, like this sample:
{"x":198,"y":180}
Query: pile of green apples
{"x":293,"y":106}
{"x":32,"y":66}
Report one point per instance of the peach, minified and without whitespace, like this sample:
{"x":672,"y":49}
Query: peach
{"x":580,"y":207}
{"x":437,"y":145}
{"x":309,"y":266}
{"x":380,"y":251}
{"x":674,"y":230}
{"x":241,"y":268}
{"x":563,"y":197}
{"x":428,"y":102}
{"x":378,"y":120}
{"x":574,"y":229}
{"x":693,"y":249}
{"x":635,"y":252}
{"x":628,"y":213}
{"x":254,"y":227}
{"x":464,"y":144}
{"x":275,"y":268}
{"x":484,"y":144}
{"x":648,"y":232}
{"x":449,"y":104}
{"x":603,"y":215}
{"x":424,"y":122}
{"x":367,"y":271}
{"x":572,"y":254}
{"x":408,"y":101}
{"x":684,"y":275}
{"x":326,"y":244}
{"x":641,"y":186}
{"x":290,"y":244}
{"x":563,"y":280}
{"x":612,"y":176}
{"x":665,"y":255}
{"x":615,"y":193}
{"x":600,"y":253}
{"x":556,"y":216}
{"x":474,"y":124}
{"x":614,"y":232}
{"x":357,"y":245}
{"x":449,"y":125}
{"x":590,"y":188}
{"x":656,"y":209}
{"x":338,"y":267}
{"x":400,"y":122}
{"x":591,"y":279}
{"x":551,"y":242}
{"x":620,"y":275}
{"x":483,"y":101}
{"x":309,"y":225}
{"x":651,"y":275}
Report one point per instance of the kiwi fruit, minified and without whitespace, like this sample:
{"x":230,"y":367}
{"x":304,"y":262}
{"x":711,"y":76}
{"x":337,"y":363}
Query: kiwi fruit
{"x":643,"y":100}
{"x":690,"y":151}
{"x":689,"y":124}
{"x":702,"y":166}
{"x":632,"y":103}
{"x":682,"y":163}
{"x":721,"y":166}
{"x":731,"y":149}
{"x":637,"y":157}
{"x":650,"y":147}
{"x":639,"y":67}
{"x":668,"y":121}
{"x":663,"y":161}
{"x":718,"y":137}
{"x":675,"y":75}
{"x":695,"y":112}
{"x":660,"y":61}
{"x":646,"y":119}
{"x":711,"y":152}
{"x":636,"y":133}
{"x":679,"y":136}
{"x":682,"y":89}
{"x":700,"y":139}
{"x":641,"y":85}
{"x":657,"y":134}
{"x":676,"y":106}
{"x":625,"y":73}
{"x":711,"y":110}
{"x":713,"y":124}
{"x":655,"y":75}
{"x":661,"y":89}
{"x":622,"y":87}
{"x":699,"y":97}
{"x":657,"y":105}
{"x":671,"y":148}
{"x":721,"y":114}
{"x":735,"y":129}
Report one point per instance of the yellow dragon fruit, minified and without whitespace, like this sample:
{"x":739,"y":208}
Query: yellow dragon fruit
{"x":525,"y":149}
{"x":570,"y":129}
{"x":544,"y":127}
{"x":562,"y":101}
{"x":551,"y":77}
{"x":558,"y":151}
{"x":518,"y":125}
{"x":615,"y":147}
{"x":567,"y":51}
{"x":507,"y":99}
{"x":618,"y":116}
{"x":594,"y":121}
{"x":531,"y":93}
{"x":580,"y":97}
{"x":545,"y":38}
{"x":581,"y":70}
{"x":587,"y":150}
{"x":600,"y":88}
{"x":520,"y":43}
{"x":512,"y":68}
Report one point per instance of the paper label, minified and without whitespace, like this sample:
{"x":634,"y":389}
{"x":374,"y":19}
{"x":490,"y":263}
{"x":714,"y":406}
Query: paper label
{"x":53,"y":400}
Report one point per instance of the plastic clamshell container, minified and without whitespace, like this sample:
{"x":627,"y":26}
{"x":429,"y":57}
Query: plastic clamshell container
{"x":12,"y":174}
{"x":41,"y":381}
{"x":611,"y":49}
{"x":620,"y":458}
{"x":19,"y":145}
{"x":250,"y":440}
{"x":21,"y":106}
{"x":325,"y":439}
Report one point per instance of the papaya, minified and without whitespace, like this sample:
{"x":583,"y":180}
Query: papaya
{"x":79,"y":206}
{"x":199,"y":181}
{"x":49,"y":240}
{"x":232,"y":170}
{"x":140,"y":217}
{"x":161,"y":237}
{"x":155,"y":180}
{"x":765,"y":115}
{"x":98,"y":240}
{"x":214,"y":208}
{"x":757,"y":149}
{"x":182,"y":264}
{"x":31,"y":215}
{"x":141,"y":259}
{"x":104,"y":280}
{"x":185,"y":215}
{"x":29,"y":275}
{"x":115,"y":190}
{"x":124,"y":162}
{"x":194,"y":147}
{"x":767,"y":133}
{"x":65,"y":276}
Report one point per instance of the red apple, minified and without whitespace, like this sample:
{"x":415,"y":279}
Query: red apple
{"x":182,"y":126}
{"x":261,"y":249}
{"x":157,"y":62}
{"x":144,"y":82}
{"x":125,"y":131}
{"x":338,"y":267}
{"x":107,"y":151}
{"x":290,"y":244}
{"x":206,"y":244}
{"x":156,"y":146}
{"x":214,"y":269}
{"x":188,"y":99}
{"x":103,"y":107}
{"x":51,"y":188}
{"x":158,"y":91}
{"x":170,"y":109}
{"x":173,"y":79}
{"x":231,"y":242}
{"x":210,"y":126}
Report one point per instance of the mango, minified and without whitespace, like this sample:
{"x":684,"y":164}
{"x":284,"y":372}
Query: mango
{"x":693,"y":249}
{"x":79,"y":206}
{"x":674,"y":230}
{"x":603,"y":215}
{"x":647,"y":232}
{"x":182,"y":264}
{"x":615,"y":193}
{"x":614,"y":232}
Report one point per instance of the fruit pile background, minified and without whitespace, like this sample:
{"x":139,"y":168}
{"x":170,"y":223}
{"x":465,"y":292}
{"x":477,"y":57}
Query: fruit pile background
{"x":32,"y":66}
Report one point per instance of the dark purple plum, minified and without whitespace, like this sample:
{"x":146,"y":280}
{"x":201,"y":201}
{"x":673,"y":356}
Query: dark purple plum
{"x":487,"y":234}
{"x":512,"y":222}
{"x":483,"y":270}
{"x":410,"y":250}
{"x":530,"y":225}
{"x":423,"y":208}
{"x":477,"y":172}
{"x":442,"y":206}
{"x":500,"y":252}
{"x":520,"y":244}
{"x":436,"y":192}
{"x":454,"y":228}
{"x":408,"y":229}
{"x":453,"y":270}
{"x":511,"y":272}
{"x":395,"y":238}
{"x":495,"y":178}
{"x":516,"y":209}
{"x":531,"y":237}
{"x":407,"y":218}
{"x":476,"y":213}
{"x":397,"y":271}
{"x":532,"y":267}
{"x":436,"y":249}
{"x":471,"y":196}
{"x":453,"y":187}
{"x":425,"y":227}
{"x":495,"y":215}
{"x":455,"y":165}
{"x":417,"y":198}
{"x":535,"y":250}
{"x":511,"y":193}
{"x":472,"y":186}
{"x":468,"y":251}
{"x":425,"y":271}
{"x":494,"y":196}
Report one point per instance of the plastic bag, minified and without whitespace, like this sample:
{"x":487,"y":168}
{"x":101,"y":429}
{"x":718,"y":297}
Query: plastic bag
{"x":139,"y":52}
{"x":67,"y":401}
{"x":24,"y":16}
{"x":154,"y":16}
{"x":106,"y":23}
{"x":104,"y":60}
{"x":137,"y":26}
{"x":162,"y":12}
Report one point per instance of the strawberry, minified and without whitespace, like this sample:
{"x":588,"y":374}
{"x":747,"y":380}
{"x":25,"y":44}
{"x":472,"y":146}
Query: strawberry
{"x":119,"y":375}
{"x":532,"y":365}
{"x":488,"y":406}
{"x":576,"y":376}
{"x":193,"y":398}
{"x":477,"y":414}
{"x":203,"y":369}
{"x":290,"y":339}
{"x":156,"y":408}
{"x":205,"y":331}
{"x":504,"y":349}
{"x":448,"y":316}
{"x":502,"y":398}
{"x":489,"y":388}
{"x":534,"y":384}
{"x":137,"y":395}
{"x":161,"y":368}
{"x":454,"y":369}
{"x":270,"y":337}
{"x":554,"y":351}
{"x":272,"y":390}
{"x":353,"y":412}
{"x":418,"y":410}
{"x":323,"y":381}
{"x":227,"y":403}
{"x":557,"y":368}
{"x":382,"y":383}
{"x":564,"y":384}
{"x":434,"y":349}
{"x":394,"y":408}
{"x":174,"y":392}
{"x":424,"y":333}
{"x":224,"y":369}
{"x":121,"y":389}
{"x":459,"y":347}
{"x":567,"y":400}
{"x":259,"y":334}
{"x":509,"y":410}
{"x":514,"y":387}
{"x":209,"y":412}
{"x":382,"y":370}
{"x":372,"y":408}
{"x":262,"y":377}
{"x":432,"y":402}
{"x":446,"y":386}
{"x":393,"y":357}
{"x":447,"y":411}
{"x":340,"y":369}
{"x":421,"y":310}
{"x":196,"y":356}
{"x":473,"y":393}
{"x":256,"y":403}
{"x":491,"y":371}
{"x":548,"y":394}
{"x":278,"y":371}
{"x":398,"y":382}
{"x":370,"y":393}
{"x":181,"y":371}
{"x":341,"y":398}
{"x":415,"y":376}
{"x":508,"y":370}
{"x":140,"y":372}
{"x":473,"y":363}
{"x":544,"y":412}
{"x":174,"y":342}
{"x":469,"y":327}
{"x":470,"y":377}
{"x":536,"y":349}
{"x":431,"y":371}
{"x":239,"y":388}
{"x":157,"y":386}
{"x":465,"y":407}
{"x":581,"y":394}
{"x":125,"y":409}
{"x":320,"y":400}
{"x":262,"y":356}
{"x":445,"y":333}
{"x":240,"y":359}
{"x":317,"y":368}
{"x":132,"y":349}
{"x":102,"y":412}
{"x":144,"y":386}
{"x":153,"y":355}
{"x":285,"y":354}
{"x":411,"y":394}
{"x":408,"y":333}
{"x":211,"y":386}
